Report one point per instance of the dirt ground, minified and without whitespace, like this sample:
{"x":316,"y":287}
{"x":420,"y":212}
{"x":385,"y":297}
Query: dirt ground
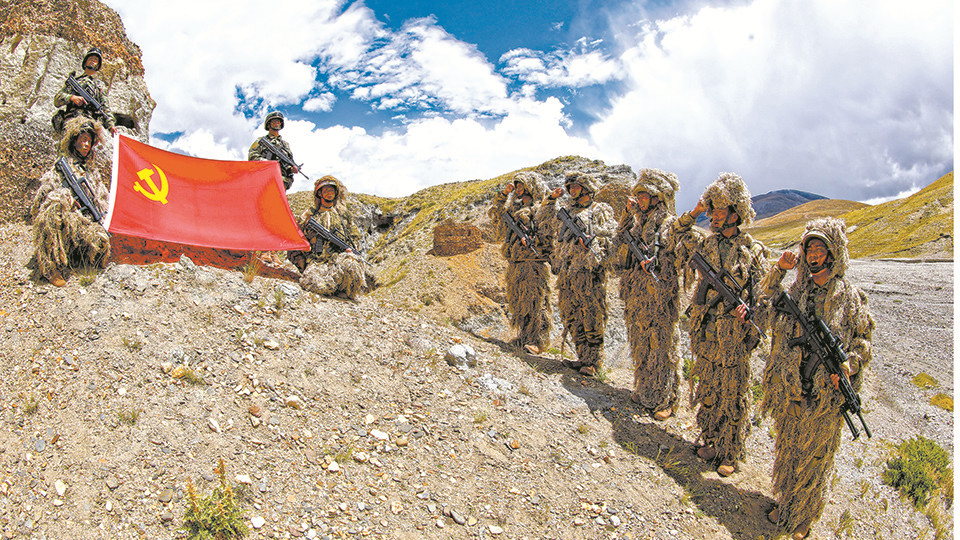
{"x":98,"y":437}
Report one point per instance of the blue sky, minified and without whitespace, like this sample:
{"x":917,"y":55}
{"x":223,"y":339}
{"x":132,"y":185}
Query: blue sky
{"x":391,"y":97}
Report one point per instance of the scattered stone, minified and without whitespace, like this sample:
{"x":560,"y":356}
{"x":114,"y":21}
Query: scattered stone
{"x":615,"y":521}
{"x":293,"y":402}
{"x":402,"y":440}
{"x":108,"y":506}
{"x":243,"y":479}
{"x":471,"y":521}
{"x":460,"y":520}
{"x":271,"y":344}
{"x":255,"y":410}
{"x":494,"y":529}
{"x":334,"y":467}
{"x":214,"y":425}
{"x":165,"y":496}
{"x":112,"y":482}
{"x":166,"y":516}
{"x":60,"y":487}
{"x":396,"y":507}
{"x":360,"y":457}
{"x":257,"y":522}
{"x":379,"y":435}
{"x":57,"y":502}
{"x":254,"y":421}
{"x":461,"y":355}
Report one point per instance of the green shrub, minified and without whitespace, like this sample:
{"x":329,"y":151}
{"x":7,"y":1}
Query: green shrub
{"x":216,"y":516}
{"x":919,"y":469}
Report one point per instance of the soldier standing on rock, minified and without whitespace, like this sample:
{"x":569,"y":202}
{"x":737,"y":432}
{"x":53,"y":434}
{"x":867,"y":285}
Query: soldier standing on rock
{"x":73,"y":105}
{"x":722,"y":341}
{"x":64,"y":235}
{"x":650,"y":274}
{"x":579,"y":259}
{"x":273,"y":123}
{"x":802,"y":397}
{"x":527,"y":277}
{"x":326,"y":269}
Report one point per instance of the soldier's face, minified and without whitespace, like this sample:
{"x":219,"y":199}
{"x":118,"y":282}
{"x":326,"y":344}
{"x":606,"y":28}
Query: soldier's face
{"x":722,"y":218}
{"x":328,"y":193}
{"x":83,"y":144}
{"x":92,"y":64}
{"x":644,"y":201}
{"x":575,"y":190}
{"x":519,"y":188}
{"x":816,"y":253}
{"x":275,"y":124}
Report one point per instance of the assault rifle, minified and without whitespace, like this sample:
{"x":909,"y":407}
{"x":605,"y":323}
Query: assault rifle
{"x":521,"y":232}
{"x":79,"y":90}
{"x":642,"y":253}
{"x":572,"y":224}
{"x":281,"y":156}
{"x":77,"y":185}
{"x":826,"y":349}
{"x":710,"y":279}
{"x":330,"y":237}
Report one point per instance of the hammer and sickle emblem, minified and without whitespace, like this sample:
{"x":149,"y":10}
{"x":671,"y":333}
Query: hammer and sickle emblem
{"x":159,"y":195}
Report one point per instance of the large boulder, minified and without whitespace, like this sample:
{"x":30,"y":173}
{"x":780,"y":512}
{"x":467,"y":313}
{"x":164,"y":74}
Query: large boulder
{"x":41,"y":42}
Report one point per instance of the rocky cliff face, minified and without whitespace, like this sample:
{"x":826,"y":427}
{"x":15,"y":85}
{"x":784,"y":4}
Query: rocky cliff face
{"x":40,"y":44}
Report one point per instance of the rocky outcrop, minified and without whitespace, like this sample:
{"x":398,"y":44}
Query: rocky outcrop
{"x":453,"y":238}
{"x":40,"y":44}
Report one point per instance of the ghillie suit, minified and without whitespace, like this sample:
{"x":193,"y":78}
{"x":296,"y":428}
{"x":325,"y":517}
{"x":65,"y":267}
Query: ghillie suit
{"x":808,"y":423}
{"x":325,"y":269}
{"x":63,"y":236}
{"x":720,"y":342}
{"x":581,"y":272}
{"x":93,"y":86}
{"x":527,"y":277}
{"x":651,"y":308}
{"x":259,"y":152}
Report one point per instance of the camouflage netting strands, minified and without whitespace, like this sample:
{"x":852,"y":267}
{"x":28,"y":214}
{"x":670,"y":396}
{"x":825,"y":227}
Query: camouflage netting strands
{"x":651,"y":308}
{"x":730,"y":190}
{"x":527,"y":277}
{"x":581,"y":273}
{"x":63,"y":237}
{"x":809,"y":429}
{"x":326,"y":270}
{"x":721,"y":343}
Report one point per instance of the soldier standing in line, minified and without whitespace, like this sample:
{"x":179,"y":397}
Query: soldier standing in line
{"x":527,"y":277}
{"x":325,"y":269}
{"x":273,"y":123}
{"x":649,"y":288}
{"x":802,"y":397}
{"x":722,"y":341}
{"x":74,"y":105}
{"x":579,"y":259}
{"x":64,"y":234}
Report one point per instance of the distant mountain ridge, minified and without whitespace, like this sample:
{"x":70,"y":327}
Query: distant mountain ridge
{"x":774,"y":202}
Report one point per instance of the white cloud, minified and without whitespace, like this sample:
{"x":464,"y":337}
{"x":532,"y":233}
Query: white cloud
{"x":830,"y":97}
{"x":322,"y":103}
{"x":572,"y":69}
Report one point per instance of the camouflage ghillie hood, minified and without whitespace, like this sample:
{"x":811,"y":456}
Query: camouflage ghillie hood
{"x":328,"y":180}
{"x":589,"y":182}
{"x":72,"y":129}
{"x":533,"y":183}
{"x":657,"y":183}
{"x":833,"y":232}
{"x":729,"y":190}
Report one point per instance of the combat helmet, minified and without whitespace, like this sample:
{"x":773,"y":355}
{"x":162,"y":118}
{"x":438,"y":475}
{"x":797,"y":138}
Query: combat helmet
{"x":271,"y":116}
{"x":833,"y":233}
{"x":95,"y":51}
{"x":329,"y":180}
{"x":660,"y":184}
{"x":589,"y":182}
{"x":534,"y":184}
{"x":730,"y":190}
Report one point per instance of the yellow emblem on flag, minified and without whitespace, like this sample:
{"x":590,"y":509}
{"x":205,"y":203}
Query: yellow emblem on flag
{"x":159,"y":195}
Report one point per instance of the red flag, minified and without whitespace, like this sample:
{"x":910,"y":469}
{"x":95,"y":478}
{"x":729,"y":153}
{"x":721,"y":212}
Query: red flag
{"x":160,"y":195}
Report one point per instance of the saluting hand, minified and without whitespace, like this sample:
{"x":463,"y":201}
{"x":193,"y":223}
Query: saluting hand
{"x":700,"y":208}
{"x":556,"y":193}
{"x":508,"y":189}
{"x":787,"y":261}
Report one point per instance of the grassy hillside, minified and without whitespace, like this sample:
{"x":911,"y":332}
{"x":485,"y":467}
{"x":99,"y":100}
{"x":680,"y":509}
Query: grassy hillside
{"x":918,"y":226}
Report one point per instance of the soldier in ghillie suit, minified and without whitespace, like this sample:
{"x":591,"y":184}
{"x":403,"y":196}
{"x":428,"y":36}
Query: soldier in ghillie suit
{"x":273,"y":123}
{"x":721,"y":340}
{"x":580,"y":265}
{"x":649,"y":288}
{"x":799,"y":394}
{"x":326,"y":269}
{"x":64,"y":236}
{"x":527,"y":277}
{"x":71,"y":105}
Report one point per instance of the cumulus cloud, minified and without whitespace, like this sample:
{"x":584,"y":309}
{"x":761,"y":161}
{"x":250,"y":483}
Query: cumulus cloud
{"x":817,"y":95}
{"x":583,"y":66}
